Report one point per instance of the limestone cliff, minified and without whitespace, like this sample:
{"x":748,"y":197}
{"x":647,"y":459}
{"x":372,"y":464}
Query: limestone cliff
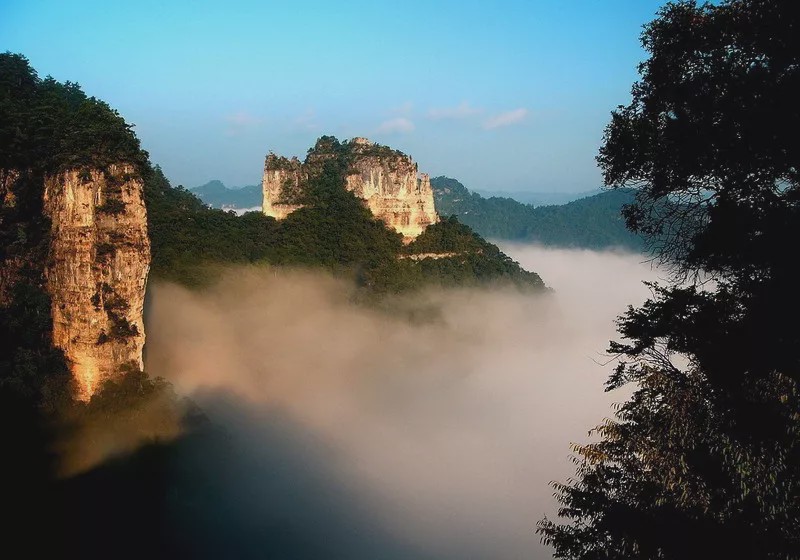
{"x":387,"y":180}
{"x":97,"y":270}
{"x":281,"y":185}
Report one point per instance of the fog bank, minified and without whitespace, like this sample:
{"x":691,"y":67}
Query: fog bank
{"x":437,"y":435}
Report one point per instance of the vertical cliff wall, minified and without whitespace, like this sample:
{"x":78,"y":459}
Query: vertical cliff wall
{"x":389,"y":183}
{"x":281,"y":186}
{"x":387,"y":180}
{"x":97,"y":270}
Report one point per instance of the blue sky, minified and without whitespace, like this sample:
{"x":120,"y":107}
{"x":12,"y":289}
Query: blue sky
{"x":502,"y":95}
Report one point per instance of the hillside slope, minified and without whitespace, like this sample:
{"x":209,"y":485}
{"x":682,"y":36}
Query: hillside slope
{"x":540,"y":198}
{"x":592,"y":223}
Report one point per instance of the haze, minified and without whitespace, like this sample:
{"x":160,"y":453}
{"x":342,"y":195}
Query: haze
{"x":377,"y":436}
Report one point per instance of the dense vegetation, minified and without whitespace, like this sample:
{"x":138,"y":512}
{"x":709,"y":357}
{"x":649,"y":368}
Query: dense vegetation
{"x":188,"y":237}
{"x":50,"y":126}
{"x":593,"y":222}
{"x":334,"y":230}
{"x":472,"y":258}
{"x":703,"y":461}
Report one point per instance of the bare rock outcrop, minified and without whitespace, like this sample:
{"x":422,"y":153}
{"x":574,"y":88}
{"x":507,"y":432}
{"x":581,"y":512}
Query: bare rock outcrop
{"x":281,"y":185}
{"x":97,"y":270}
{"x":387,"y":180}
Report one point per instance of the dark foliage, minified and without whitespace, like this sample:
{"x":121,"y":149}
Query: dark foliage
{"x":704,"y":460}
{"x":112,"y":206}
{"x":54,"y":126}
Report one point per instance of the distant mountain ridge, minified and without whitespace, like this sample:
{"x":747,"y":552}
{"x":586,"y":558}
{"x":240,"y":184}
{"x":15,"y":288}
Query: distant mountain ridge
{"x":217,"y":195}
{"x":539,"y":198}
{"x":593,"y":222}
{"x":590,"y":220}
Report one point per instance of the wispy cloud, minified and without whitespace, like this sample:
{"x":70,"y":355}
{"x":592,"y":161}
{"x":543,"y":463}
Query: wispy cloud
{"x":240,"y":122}
{"x":402,"y":109}
{"x":461,"y":111}
{"x":506,"y":118}
{"x":307,"y":121}
{"x":397,"y":125}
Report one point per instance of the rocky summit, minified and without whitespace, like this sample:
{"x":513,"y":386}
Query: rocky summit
{"x":387,"y":180}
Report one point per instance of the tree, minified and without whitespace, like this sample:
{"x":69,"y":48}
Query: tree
{"x":703,"y":461}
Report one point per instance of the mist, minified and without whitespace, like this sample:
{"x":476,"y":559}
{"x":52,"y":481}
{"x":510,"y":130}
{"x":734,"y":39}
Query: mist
{"x":429,"y":428}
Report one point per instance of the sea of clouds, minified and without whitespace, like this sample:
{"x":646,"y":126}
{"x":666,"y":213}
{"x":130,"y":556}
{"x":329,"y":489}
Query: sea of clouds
{"x":428,"y":430}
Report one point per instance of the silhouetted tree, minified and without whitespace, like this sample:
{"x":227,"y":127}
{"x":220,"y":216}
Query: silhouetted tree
{"x":703,"y":461}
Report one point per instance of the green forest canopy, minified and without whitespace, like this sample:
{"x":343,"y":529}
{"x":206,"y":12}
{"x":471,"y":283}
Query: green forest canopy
{"x":594,"y":222}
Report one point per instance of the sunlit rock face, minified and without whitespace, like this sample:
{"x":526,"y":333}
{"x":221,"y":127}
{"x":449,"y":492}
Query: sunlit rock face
{"x":280,"y":185}
{"x":387,"y":180}
{"x":97,"y":271}
{"x":389,"y":183}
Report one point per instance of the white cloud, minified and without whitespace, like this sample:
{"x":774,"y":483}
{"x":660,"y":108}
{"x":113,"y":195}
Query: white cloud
{"x":445,"y":433}
{"x":461,"y":111}
{"x":242,"y":118}
{"x":307,"y":121}
{"x":396,"y":125}
{"x":506,"y":118}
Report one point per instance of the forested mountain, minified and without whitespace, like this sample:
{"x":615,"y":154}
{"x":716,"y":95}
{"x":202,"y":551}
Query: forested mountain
{"x":700,"y":460}
{"x":535,"y":198}
{"x":594,"y":222}
{"x":334,"y":231}
{"x":217,"y":195}
{"x":50,"y":130}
